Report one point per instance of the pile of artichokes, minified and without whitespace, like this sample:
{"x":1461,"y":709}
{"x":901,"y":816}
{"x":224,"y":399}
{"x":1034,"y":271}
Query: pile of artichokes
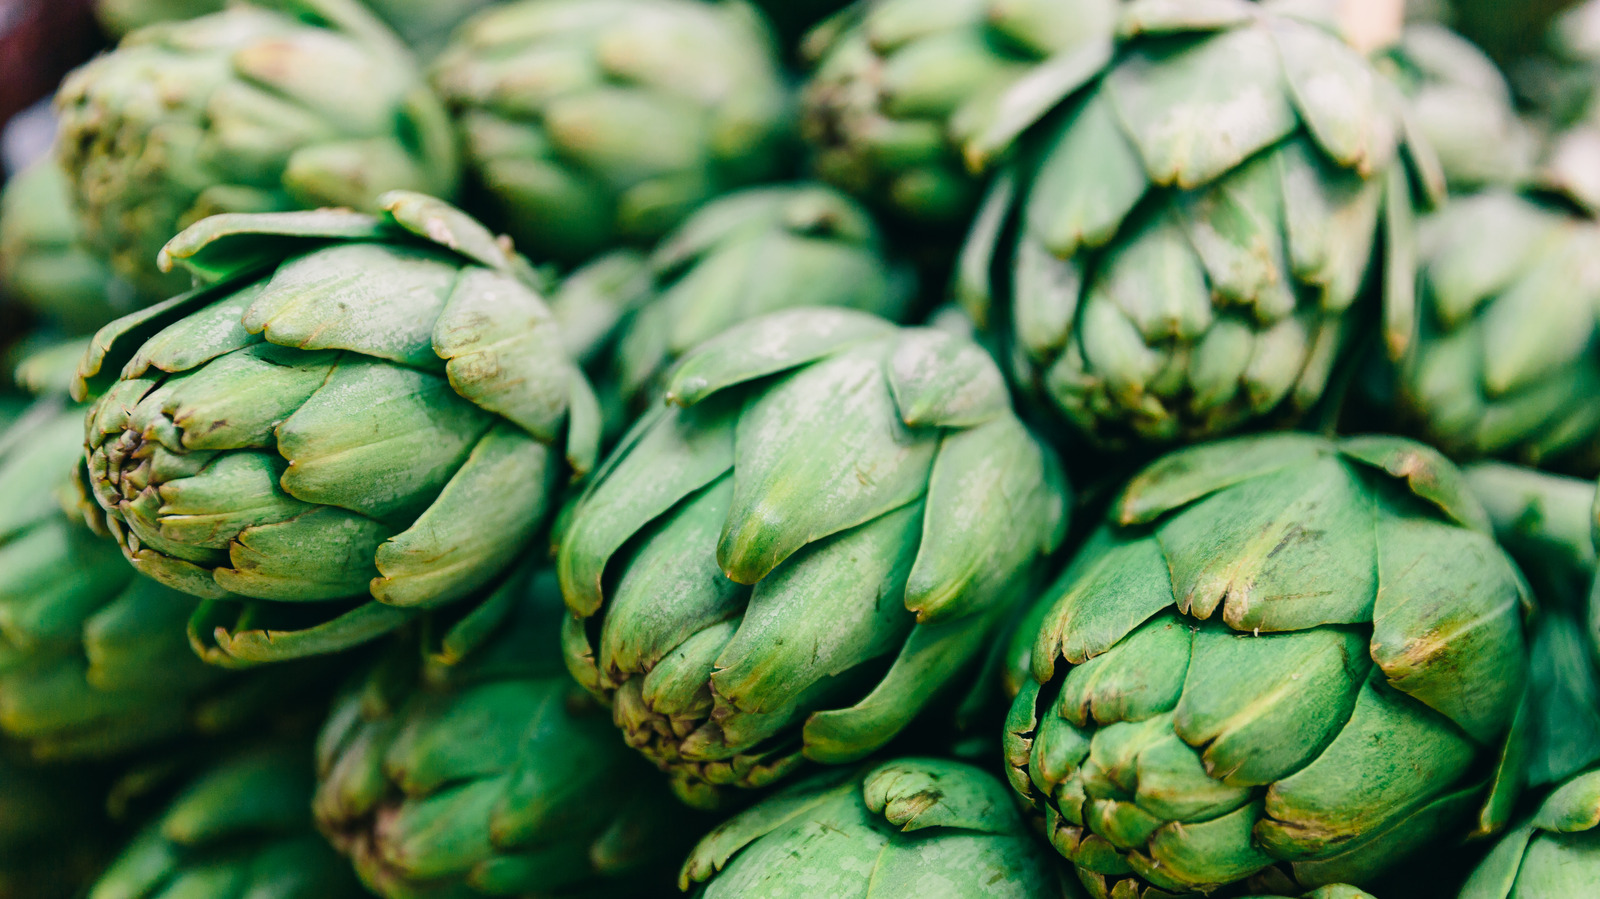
{"x":1040,"y":449}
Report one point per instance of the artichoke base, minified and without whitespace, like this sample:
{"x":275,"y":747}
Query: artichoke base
{"x":699,"y":779}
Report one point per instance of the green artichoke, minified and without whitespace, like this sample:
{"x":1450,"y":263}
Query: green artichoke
{"x":93,"y":657}
{"x":355,"y":419}
{"x":1284,"y":658}
{"x":43,"y":260}
{"x":751,"y":252}
{"x":589,"y":122}
{"x":1554,"y":853}
{"x":1179,"y":250}
{"x":241,"y":829}
{"x":493,"y":775}
{"x":254,"y":109}
{"x":903,"y":88}
{"x":51,"y":832}
{"x":1545,"y":522}
{"x":1503,"y":361}
{"x":821,"y":530}
{"x":923,"y":827}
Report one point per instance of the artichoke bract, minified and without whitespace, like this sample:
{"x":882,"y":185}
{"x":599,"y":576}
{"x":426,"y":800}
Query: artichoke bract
{"x":1461,"y":105}
{"x":903,"y":88}
{"x":592,"y":122}
{"x":240,"y":829}
{"x":930,"y":828}
{"x":1180,"y":248}
{"x":44,"y":261}
{"x":356,"y":418}
{"x":1555,"y":853}
{"x":290,"y":104}
{"x":1285,"y":659}
{"x":821,"y":530}
{"x":94,"y":662}
{"x":493,"y":774}
{"x":1545,"y":522}
{"x":743,"y":255}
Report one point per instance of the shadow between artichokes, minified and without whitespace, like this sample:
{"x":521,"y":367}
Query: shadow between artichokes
{"x":53,"y":830}
{"x":1284,"y":660}
{"x":816,"y":534}
{"x":355,"y":418}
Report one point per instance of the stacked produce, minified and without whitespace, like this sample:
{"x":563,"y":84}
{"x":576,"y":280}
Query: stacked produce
{"x":1097,"y":449}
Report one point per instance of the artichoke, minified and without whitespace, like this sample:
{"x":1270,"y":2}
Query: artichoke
{"x":356,"y":418}
{"x":589,"y":122}
{"x":492,"y":775}
{"x":1499,"y":349}
{"x":1544,"y":521}
{"x":821,"y":530}
{"x":240,"y":830}
{"x":51,"y":832}
{"x":1506,"y":350}
{"x":751,"y":252}
{"x":254,"y":109}
{"x":1284,"y":658}
{"x":1179,"y":250}
{"x":43,"y":260}
{"x":93,"y":658}
{"x":1554,"y":853}
{"x":920,"y":827}
{"x":903,"y":88}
